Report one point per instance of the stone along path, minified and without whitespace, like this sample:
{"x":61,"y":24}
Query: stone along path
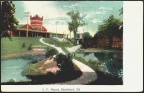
{"x":88,"y":74}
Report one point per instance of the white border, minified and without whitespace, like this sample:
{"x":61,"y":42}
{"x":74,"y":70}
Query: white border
{"x":133,"y":59}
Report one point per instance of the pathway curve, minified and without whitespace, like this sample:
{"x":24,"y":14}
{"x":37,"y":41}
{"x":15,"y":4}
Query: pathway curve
{"x":88,"y":74}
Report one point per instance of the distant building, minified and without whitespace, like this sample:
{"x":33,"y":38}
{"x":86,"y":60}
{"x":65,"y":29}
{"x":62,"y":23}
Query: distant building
{"x":79,"y":38}
{"x":35,"y":28}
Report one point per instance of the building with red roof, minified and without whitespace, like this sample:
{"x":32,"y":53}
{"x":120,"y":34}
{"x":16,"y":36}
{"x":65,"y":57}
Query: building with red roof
{"x":34,"y":29}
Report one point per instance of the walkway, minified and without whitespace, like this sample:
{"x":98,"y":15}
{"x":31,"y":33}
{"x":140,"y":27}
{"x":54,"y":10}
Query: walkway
{"x":88,"y":74}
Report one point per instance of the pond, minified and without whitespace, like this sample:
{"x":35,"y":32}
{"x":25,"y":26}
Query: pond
{"x":112,"y":62}
{"x":11,"y":69}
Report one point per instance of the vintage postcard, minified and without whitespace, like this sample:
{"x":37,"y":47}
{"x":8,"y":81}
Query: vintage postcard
{"x":47,"y":44}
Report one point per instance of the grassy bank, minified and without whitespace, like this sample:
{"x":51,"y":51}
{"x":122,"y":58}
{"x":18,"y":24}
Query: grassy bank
{"x":17,"y":44}
{"x":59,"y":44}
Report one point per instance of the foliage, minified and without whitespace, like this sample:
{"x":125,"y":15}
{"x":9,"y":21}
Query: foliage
{"x":32,"y":70}
{"x":51,"y":52}
{"x":30,"y":47}
{"x":64,"y":62}
{"x":121,"y":11}
{"x":23,"y":45}
{"x":96,"y":65}
{"x":110,"y":28}
{"x":71,"y":41}
{"x":61,"y":40}
{"x":86,"y":35}
{"x":76,"y":21}
{"x":87,"y":42}
{"x":70,"y":28}
{"x":12,"y":80}
{"x":65,"y":50}
{"x":61,"y":44}
{"x":8,"y":22}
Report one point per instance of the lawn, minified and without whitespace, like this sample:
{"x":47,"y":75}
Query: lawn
{"x":15,"y":46}
{"x":59,"y":44}
{"x":63,"y":45}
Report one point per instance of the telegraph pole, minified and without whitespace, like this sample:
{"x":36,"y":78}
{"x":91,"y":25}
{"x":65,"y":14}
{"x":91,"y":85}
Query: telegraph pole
{"x":56,"y":28}
{"x":27,"y":15}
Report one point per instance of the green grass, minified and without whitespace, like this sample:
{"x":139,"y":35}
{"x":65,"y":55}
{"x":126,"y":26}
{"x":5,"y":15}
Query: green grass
{"x":15,"y":46}
{"x":59,"y":44}
{"x":65,"y":50}
{"x":95,"y":65}
{"x":32,"y":70}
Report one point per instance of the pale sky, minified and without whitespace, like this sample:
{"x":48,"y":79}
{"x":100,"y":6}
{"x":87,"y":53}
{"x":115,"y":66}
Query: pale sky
{"x":52,"y":11}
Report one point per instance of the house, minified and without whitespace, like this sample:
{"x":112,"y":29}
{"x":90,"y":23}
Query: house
{"x":34,"y":29}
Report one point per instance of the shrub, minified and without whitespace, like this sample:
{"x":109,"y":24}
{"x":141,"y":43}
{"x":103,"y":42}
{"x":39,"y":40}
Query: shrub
{"x":23,"y":45}
{"x":12,"y":80}
{"x":64,"y":62}
{"x":47,"y":48}
{"x":50,"y":53}
{"x":99,"y":66}
{"x":30,"y":47}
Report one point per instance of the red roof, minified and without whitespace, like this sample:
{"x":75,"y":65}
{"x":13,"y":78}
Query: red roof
{"x":44,"y":28}
{"x":25,"y":26}
{"x":38,"y":28}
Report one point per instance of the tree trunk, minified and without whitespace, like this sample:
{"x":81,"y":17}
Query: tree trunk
{"x":74,"y":37}
{"x":70,"y":34}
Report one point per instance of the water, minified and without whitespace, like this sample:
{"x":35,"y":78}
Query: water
{"x":11,"y":69}
{"x":87,"y":56}
{"x":111,"y":62}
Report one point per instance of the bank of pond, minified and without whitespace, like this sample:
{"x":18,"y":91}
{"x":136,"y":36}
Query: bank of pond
{"x":109,"y":73}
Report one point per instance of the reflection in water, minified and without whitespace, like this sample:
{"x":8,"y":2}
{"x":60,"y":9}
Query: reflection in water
{"x":11,"y":69}
{"x":111,"y":62}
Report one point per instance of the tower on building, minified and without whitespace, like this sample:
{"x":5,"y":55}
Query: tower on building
{"x":36,"y":23}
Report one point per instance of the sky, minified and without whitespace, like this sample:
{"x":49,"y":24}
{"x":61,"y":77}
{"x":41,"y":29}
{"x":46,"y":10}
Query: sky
{"x":95,"y":12}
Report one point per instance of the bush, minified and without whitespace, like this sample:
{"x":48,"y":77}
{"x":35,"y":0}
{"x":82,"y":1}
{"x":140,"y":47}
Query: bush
{"x":30,"y":47}
{"x":65,"y":62}
{"x":23,"y":45}
{"x":99,"y":66}
{"x":50,"y":53}
{"x":47,"y":48}
{"x":12,"y":80}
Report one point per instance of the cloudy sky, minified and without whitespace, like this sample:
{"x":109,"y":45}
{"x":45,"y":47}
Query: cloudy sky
{"x":95,"y":12}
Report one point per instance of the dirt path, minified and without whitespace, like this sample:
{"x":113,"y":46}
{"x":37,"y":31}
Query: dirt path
{"x":88,"y":74}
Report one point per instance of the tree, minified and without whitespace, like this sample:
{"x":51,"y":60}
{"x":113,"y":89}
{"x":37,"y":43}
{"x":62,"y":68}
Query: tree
{"x":76,"y":21}
{"x":86,"y":35}
{"x":70,"y":28}
{"x":110,"y":28}
{"x":121,"y":11}
{"x":8,"y":20}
